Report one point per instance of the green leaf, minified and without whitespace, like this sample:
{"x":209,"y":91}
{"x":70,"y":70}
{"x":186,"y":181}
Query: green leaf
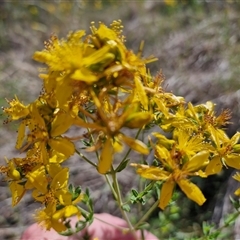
{"x":134,"y":192}
{"x":122,"y":165}
{"x":126,"y":208}
{"x":86,"y":143}
{"x":78,"y":190}
{"x":143,"y":225}
{"x":71,"y":188}
{"x":235,"y":203}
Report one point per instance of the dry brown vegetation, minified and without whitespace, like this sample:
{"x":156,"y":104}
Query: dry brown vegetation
{"x":198,"y":47}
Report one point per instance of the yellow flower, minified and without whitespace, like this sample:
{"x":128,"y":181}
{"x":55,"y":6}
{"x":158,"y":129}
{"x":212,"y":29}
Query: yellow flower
{"x":50,"y":217}
{"x":62,"y":145}
{"x":16,"y":171}
{"x":224,"y":153}
{"x":45,"y":127}
{"x":174,"y":172}
{"x":63,"y":55}
{"x":189,"y":143}
{"x":111,"y":119}
{"x":236,"y":176}
{"x":16,"y":110}
{"x":50,"y":185}
{"x":16,"y":184}
{"x":45,"y":218}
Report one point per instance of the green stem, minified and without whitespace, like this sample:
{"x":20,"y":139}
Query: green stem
{"x":228,"y":222}
{"x":110,"y":224}
{"x":120,"y":203}
{"x":83,"y":210}
{"x":100,"y":220}
{"x":92,"y":138}
{"x":110,"y":185}
{"x":85,"y":158}
{"x":146,"y":215}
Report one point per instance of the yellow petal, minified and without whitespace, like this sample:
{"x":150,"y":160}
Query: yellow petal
{"x":56,"y":157}
{"x":138,"y":119}
{"x":17,"y":191}
{"x":164,"y":156}
{"x":62,"y":145}
{"x":214,"y":167}
{"x":35,"y":115}
{"x":38,"y":179}
{"x":85,"y":75}
{"x":67,"y":211}
{"x":71,"y":210}
{"x":135,"y":144}
{"x":16,"y":110}
{"x":142,"y":96}
{"x":28,"y":185}
{"x":166,"y":194}
{"x":43,"y":152}
{"x":117,"y":146}
{"x":99,"y":56}
{"x":58,"y":226}
{"x":63,"y":92}
{"x":167,"y":143}
{"x":201,"y":174}
{"x":237,"y":176}
{"x":235,"y":138}
{"x":153,"y":173}
{"x":197,"y":161}
{"x":237,"y":192}
{"x":106,"y":157}
{"x":13,"y":173}
{"x":51,"y":208}
{"x":61,"y":179}
{"x":53,"y":169}
{"x":233,"y":160}
{"x":104,"y":32}
{"x":192,"y":191}
{"x":38,"y":196}
{"x":161,"y":106}
{"x":64,"y":197}
{"x":21,"y":135}
{"x":61,"y":123}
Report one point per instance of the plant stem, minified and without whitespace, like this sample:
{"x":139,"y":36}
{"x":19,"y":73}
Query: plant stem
{"x":146,"y":215}
{"x":85,"y":158}
{"x":110,"y":224}
{"x":120,"y":203}
{"x":111,"y":187}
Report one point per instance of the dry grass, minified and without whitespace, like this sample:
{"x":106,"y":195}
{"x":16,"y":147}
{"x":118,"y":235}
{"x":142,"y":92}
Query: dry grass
{"x":198,"y":50}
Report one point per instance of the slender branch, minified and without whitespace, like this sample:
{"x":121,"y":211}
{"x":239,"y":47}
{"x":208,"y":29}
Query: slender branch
{"x":85,"y":158}
{"x":100,"y":220}
{"x":146,"y":215}
{"x":113,"y":225}
{"x":120,"y":204}
{"x":226,"y":224}
{"x":110,"y":186}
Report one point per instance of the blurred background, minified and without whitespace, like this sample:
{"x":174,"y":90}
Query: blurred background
{"x":198,"y":47}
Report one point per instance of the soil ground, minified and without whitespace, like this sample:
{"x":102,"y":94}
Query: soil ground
{"x":198,"y":48}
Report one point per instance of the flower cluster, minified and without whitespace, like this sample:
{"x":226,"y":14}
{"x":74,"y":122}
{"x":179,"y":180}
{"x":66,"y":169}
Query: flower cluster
{"x":94,"y":82}
{"x":199,"y":147}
